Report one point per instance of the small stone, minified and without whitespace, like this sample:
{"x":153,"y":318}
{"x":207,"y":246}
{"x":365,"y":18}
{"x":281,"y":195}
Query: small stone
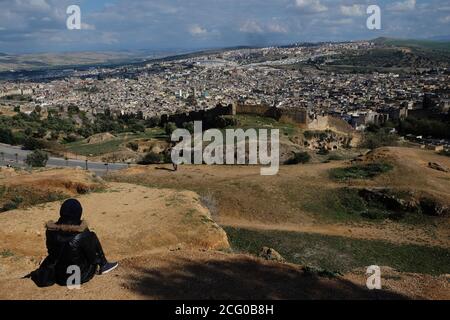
{"x":271,"y":254}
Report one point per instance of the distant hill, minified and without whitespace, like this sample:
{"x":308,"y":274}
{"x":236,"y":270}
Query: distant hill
{"x":440,"y":38}
{"x":411,"y":43}
{"x":45,"y":60}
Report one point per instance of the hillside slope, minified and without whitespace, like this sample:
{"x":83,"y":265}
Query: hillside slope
{"x":129,"y":220}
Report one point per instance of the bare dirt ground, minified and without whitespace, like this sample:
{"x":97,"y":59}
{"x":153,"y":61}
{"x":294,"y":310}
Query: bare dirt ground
{"x":167,"y":242}
{"x":129,"y":220}
{"x":289,"y":201}
{"x":198,"y":274}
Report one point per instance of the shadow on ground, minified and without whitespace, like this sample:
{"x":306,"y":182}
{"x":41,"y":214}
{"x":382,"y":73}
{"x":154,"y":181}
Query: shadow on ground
{"x":242,"y":278}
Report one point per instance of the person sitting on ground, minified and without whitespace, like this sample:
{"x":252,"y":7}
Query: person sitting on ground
{"x":71,"y":243}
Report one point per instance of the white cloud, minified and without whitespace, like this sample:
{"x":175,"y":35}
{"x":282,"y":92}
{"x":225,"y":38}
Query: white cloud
{"x":251,"y":26}
{"x":445,"y":19}
{"x":35,"y":4}
{"x":276,"y":28}
{"x":355,"y":10}
{"x":406,"y":5}
{"x":310,"y":6}
{"x":87,"y":26}
{"x":197,"y":30}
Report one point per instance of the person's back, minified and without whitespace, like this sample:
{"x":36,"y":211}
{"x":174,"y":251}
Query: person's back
{"x":70,"y":243}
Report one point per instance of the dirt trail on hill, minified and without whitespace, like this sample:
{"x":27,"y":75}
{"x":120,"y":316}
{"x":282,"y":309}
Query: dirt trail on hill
{"x":387,"y":231}
{"x":412,"y":171}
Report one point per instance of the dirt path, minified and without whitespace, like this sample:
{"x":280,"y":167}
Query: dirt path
{"x":387,"y":231}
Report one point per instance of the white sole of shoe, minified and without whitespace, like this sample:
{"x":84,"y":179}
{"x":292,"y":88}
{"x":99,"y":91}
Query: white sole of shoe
{"x":109,"y":270}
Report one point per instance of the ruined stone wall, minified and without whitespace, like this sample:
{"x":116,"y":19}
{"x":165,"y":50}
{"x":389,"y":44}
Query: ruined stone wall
{"x":296,"y":116}
{"x":322,"y":123}
{"x":181,"y":118}
{"x":259,"y":110}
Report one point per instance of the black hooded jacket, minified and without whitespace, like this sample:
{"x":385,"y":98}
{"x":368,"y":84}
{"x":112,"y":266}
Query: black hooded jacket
{"x":71,"y":245}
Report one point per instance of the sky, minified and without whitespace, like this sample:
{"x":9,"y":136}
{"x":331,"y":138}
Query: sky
{"x":106,"y":25}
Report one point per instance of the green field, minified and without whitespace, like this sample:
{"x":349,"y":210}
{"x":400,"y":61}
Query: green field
{"x":256,"y":122}
{"x":423,"y":44}
{"x":113,"y":145}
{"x":342,"y":254}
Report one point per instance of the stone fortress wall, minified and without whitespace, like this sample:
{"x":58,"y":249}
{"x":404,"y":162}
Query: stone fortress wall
{"x":295,"y":116}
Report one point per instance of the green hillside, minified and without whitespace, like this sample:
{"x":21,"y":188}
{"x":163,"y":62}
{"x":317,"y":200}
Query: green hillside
{"x":420,"y":44}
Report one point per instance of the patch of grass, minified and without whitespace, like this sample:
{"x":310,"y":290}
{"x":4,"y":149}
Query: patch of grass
{"x":113,"y":145}
{"x":206,"y":220}
{"x":346,"y":205}
{"x":12,"y":204}
{"x":335,"y":157}
{"x":365,"y":171}
{"x":340,"y":253}
{"x":96,"y":149}
{"x":175,"y":200}
{"x":334,"y":205}
{"x":6,"y":253}
{"x":298,"y":158}
{"x":321,"y":272}
{"x":2,"y":191}
{"x":189,"y":216}
{"x":20,"y":197}
{"x":208,"y":200}
{"x":445,"y":153}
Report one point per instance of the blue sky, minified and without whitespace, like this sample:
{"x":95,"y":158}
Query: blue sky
{"x":40,"y":25}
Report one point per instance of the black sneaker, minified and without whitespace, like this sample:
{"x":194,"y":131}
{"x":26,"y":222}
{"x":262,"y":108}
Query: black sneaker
{"x":108,"y":267}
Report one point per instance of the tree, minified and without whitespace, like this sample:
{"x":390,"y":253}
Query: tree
{"x":32,"y":144}
{"x":170,"y":128}
{"x":152,"y":122}
{"x":189,"y":126}
{"x":379,"y":139}
{"x":41,"y":133}
{"x":133,"y":146}
{"x":299,"y":157}
{"x":137,"y":127}
{"x":6,"y":136}
{"x":37,"y":159}
{"x":28,"y":131}
{"x":152,"y":158}
{"x":38,"y":109}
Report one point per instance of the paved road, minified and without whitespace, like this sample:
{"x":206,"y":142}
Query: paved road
{"x":15,"y":156}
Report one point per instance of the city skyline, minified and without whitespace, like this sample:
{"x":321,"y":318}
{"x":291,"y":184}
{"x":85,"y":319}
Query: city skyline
{"x":40,"y":25}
